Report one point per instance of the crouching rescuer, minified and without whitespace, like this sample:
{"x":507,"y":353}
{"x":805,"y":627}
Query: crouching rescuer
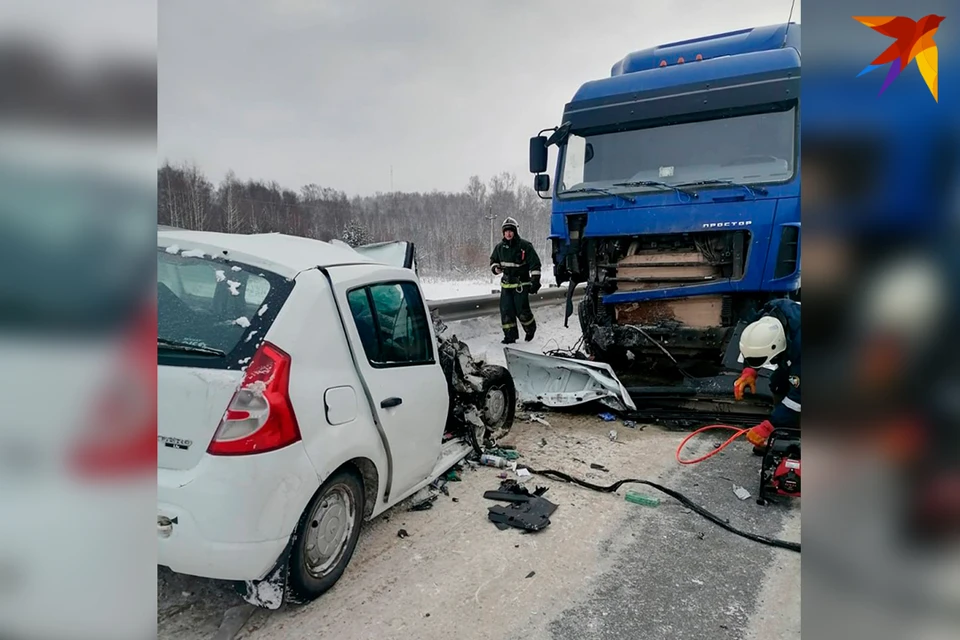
{"x":516,"y":261}
{"x":774,"y":339}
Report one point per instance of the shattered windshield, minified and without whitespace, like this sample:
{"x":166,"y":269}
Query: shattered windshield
{"x":748,"y":149}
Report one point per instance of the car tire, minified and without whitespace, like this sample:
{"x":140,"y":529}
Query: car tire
{"x":326,"y":536}
{"x":497,"y":401}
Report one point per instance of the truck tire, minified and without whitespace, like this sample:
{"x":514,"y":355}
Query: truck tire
{"x":498,"y":401}
{"x":326,"y":536}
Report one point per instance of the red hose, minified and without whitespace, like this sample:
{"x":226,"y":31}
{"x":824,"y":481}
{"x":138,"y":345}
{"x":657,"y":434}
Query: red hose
{"x":739,"y":432}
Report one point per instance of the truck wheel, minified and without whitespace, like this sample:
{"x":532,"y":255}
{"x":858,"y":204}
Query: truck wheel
{"x":326,"y":536}
{"x":498,"y":401}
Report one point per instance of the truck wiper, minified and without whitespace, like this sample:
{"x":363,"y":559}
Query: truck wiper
{"x":599,"y":190}
{"x":704,"y":183}
{"x":171,"y":345}
{"x":657,"y":183}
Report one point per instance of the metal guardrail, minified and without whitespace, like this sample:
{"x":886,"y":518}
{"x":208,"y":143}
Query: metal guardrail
{"x":479,"y":306}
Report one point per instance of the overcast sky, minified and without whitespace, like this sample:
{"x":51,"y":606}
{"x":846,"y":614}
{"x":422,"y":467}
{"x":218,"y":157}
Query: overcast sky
{"x":338,"y":91}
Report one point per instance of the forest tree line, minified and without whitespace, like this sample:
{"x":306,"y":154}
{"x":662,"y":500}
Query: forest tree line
{"x":451,"y":231}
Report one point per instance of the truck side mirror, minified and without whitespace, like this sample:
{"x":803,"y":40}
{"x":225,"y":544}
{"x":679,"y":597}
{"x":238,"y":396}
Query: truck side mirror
{"x":538,"y":154}
{"x":541,"y":182}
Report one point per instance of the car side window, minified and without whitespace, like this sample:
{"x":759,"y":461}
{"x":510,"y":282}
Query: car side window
{"x":363,"y":318}
{"x":396,"y":331}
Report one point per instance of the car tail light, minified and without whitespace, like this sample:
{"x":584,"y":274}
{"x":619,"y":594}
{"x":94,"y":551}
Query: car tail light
{"x":260,"y":417}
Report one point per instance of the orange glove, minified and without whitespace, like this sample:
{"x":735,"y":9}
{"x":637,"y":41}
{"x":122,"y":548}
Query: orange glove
{"x":758,"y":435}
{"x":747,"y":379}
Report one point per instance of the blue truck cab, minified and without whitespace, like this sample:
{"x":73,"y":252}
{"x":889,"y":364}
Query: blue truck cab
{"x":676,"y":195}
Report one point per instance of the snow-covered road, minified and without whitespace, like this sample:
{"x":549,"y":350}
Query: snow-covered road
{"x":483,"y":335}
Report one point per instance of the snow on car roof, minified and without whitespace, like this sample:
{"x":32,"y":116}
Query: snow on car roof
{"x":283,"y":254}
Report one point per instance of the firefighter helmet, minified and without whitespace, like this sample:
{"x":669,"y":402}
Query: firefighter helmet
{"x":762,"y":340}
{"x":510,"y":223}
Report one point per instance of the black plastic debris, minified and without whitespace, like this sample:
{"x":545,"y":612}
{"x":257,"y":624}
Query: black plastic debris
{"x":531,"y":574}
{"x":599,"y":467}
{"x":403,"y":534}
{"x":532,"y":515}
{"x":513,"y":491}
{"x":529,"y":511}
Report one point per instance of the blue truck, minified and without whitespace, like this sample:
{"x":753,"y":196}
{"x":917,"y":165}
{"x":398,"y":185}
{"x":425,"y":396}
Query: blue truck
{"x":676,"y":195}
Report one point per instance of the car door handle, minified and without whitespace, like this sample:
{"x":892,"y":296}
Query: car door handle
{"x":390,"y":402}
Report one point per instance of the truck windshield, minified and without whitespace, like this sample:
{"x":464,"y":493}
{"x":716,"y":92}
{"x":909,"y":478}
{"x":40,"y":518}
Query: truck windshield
{"x":749,"y":149}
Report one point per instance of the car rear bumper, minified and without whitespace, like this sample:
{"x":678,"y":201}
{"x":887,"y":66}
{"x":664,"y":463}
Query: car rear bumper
{"x":229,"y":518}
{"x":188,"y":552}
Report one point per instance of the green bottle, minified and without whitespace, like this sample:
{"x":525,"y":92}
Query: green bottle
{"x":639,"y":498}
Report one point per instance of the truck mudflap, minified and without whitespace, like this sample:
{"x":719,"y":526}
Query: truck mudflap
{"x":565,"y":382}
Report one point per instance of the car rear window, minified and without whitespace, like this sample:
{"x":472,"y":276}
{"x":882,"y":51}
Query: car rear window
{"x":213,"y":304}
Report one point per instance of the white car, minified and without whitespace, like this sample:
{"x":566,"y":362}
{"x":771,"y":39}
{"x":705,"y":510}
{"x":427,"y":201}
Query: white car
{"x":300,"y":391}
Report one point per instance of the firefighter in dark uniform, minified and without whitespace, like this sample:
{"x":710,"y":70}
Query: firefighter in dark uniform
{"x":774,"y":338}
{"x":517,"y":261}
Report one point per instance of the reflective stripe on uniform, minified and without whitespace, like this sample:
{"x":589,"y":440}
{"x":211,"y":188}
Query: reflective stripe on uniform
{"x":509,"y":264}
{"x":791,"y":404}
{"x":535,"y":273}
{"x":528,"y":322}
{"x":504,"y":285}
{"x":512,"y":325}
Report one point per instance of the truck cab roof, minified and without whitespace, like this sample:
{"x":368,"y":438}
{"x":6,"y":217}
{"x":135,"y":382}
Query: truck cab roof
{"x":731,"y":43}
{"x":737,"y":53}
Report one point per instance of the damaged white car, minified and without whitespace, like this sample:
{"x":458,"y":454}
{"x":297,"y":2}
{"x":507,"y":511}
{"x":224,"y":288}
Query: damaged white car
{"x":302,"y":389}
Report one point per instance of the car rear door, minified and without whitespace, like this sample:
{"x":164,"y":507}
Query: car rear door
{"x":387,"y":320}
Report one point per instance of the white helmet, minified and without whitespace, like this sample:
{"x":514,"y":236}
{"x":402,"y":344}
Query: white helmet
{"x":761,"y":341}
{"x":510,"y":223}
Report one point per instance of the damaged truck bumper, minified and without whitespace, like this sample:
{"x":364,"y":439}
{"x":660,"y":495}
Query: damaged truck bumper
{"x":565,"y":382}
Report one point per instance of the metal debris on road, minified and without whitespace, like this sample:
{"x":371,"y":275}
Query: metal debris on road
{"x":740,"y":492}
{"x":598,"y":467}
{"x":538,"y":417}
{"x":630,"y":424}
{"x":613,"y":435}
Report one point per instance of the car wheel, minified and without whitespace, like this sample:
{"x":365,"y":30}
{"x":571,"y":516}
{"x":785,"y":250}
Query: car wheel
{"x":326,"y":536}
{"x":498,"y":401}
